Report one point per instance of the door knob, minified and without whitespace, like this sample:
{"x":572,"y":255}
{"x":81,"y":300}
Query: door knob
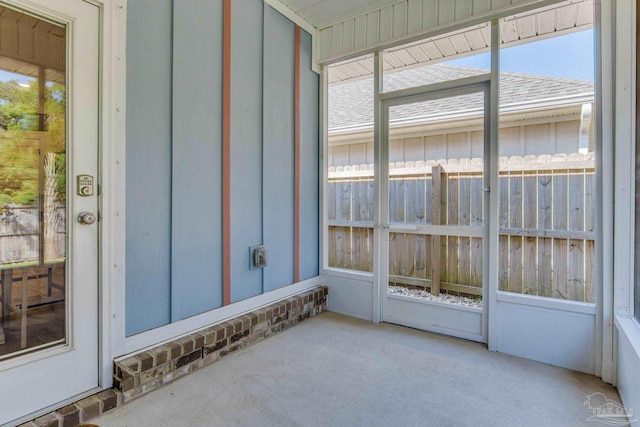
{"x":86,"y":218}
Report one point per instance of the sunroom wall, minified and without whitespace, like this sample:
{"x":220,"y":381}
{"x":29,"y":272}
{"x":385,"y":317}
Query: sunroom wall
{"x":175,"y":248}
{"x":410,"y":20}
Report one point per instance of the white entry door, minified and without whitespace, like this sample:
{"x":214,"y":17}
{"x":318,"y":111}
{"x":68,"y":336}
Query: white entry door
{"x":434,"y":227}
{"x":49,"y":93}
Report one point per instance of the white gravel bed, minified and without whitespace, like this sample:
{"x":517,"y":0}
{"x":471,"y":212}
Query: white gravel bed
{"x":443,"y":298}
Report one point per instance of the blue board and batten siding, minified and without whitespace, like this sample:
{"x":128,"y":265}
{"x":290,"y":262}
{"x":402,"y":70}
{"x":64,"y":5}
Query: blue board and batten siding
{"x":246,"y":145}
{"x":309,"y":165}
{"x":174,"y":152}
{"x":279,"y":167}
{"x":148,"y":253}
{"x":196,"y":210}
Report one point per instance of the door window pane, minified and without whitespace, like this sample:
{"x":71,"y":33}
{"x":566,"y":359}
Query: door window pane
{"x":32,"y":184}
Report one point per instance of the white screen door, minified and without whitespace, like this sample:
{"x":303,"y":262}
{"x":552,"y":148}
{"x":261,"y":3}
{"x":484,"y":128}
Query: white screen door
{"x":434,"y":221}
{"x":49,"y":58}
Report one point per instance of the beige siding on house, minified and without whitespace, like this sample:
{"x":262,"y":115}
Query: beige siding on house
{"x":533,"y":139}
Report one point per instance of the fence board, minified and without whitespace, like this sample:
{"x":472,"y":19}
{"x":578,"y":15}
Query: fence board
{"x":451,"y":200}
{"x":356,"y":205}
{"x":428,"y":256}
{"x":331,"y":200}
{"x":545,"y":222}
{"x":575,"y":270}
{"x":428,"y":218}
{"x":345,"y":200}
{"x":436,"y":194}
{"x":476,"y":262}
{"x":436,"y":262}
{"x":503,"y":263}
{"x":575,"y":262}
{"x":576,"y":201}
{"x":545,"y":267}
{"x":452,"y":219}
{"x":560,"y":246}
{"x":477,"y":201}
{"x":589,"y":202}
{"x":437,"y":184}
{"x":410,"y":200}
{"x":503,"y":202}
{"x":333,"y":249}
{"x":419,"y":256}
{"x":393,"y":254}
{"x":464,"y":200}
{"x":560,"y":250}
{"x":362,"y":256}
{"x":476,"y":219}
{"x":407,"y":256}
{"x":503,"y":241}
{"x":530,"y":244}
{"x":464,"y":218}
{"x":545,"y":202}
{"x":589,"y":259}
{"x":338,"y":201}
{"x":371,"y":208}
{"x":546,"y":218}
{"x":515,"y":242}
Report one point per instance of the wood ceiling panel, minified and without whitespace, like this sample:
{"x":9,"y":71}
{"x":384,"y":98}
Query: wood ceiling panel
{"x":546,"y":22}
{"x":565,"y":17}
{"x":323,"y":12}
{"x":446,"y":47}
{"x":460,"y":43}
{"x":560,"y":19}
{"x":476,"y":40}
{"x":431,"y":50}
{"x":509,"y":31}
{"x":527,"y":26}
{"x":585,"y":14}
{"x":393,"y":60}
{"x":418,"y":53}
{"x":406,"y":57}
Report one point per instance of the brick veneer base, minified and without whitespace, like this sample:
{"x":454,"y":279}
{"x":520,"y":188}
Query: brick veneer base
{"x":139,"y":374}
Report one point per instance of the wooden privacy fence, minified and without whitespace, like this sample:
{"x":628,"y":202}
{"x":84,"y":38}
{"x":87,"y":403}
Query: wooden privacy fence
{"x":546,"y":223}
{"x":22,"y":236}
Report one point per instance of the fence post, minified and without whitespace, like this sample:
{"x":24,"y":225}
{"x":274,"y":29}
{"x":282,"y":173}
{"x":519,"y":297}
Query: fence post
{"x":437,"y":178}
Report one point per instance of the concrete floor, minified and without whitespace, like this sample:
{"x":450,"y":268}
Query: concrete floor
{"x":338,"y":371}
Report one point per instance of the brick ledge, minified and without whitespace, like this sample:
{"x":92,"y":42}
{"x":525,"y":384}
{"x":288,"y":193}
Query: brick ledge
{"x":144,"y":372}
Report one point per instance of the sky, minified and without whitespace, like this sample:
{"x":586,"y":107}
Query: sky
{"x":569,"y":56}
{"x":6,"y":76}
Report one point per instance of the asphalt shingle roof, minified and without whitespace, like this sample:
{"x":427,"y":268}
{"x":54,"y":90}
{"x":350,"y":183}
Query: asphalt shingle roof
{"x":351,"y":102}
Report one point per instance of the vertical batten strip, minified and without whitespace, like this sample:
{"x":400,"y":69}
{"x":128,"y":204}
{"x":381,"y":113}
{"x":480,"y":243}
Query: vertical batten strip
{"x":296,"y":127}
{"x":226,"y":154}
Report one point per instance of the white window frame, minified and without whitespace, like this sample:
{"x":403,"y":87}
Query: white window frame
{"x":605,"y":267}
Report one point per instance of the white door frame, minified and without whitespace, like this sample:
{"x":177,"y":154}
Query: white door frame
{"x":83,"y":32}
{"x":476,"y":84}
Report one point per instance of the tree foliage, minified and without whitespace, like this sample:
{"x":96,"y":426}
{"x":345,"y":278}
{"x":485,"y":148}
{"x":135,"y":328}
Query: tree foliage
{"x":20,"y":160}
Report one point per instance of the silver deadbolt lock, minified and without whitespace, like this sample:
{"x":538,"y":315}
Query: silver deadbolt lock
{"x":86,"y":218}
{"x":85,"y":185}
